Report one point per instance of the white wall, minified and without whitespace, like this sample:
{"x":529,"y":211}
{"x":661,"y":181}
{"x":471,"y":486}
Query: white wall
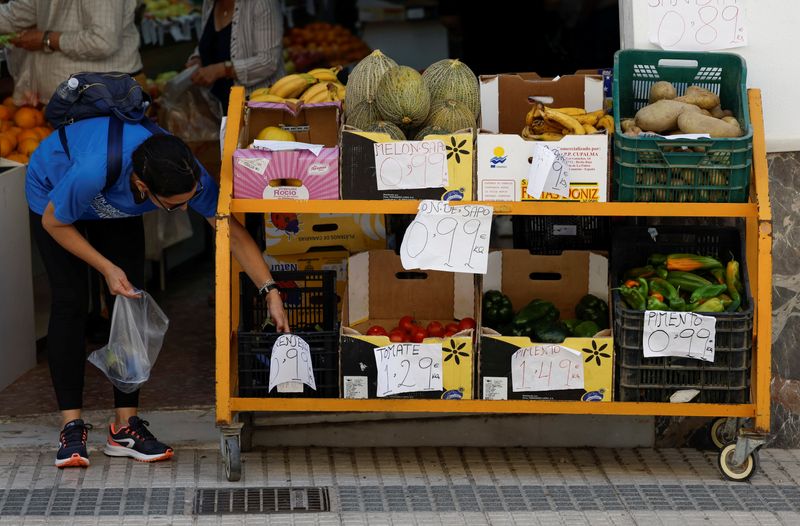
{"x":772,"y":55}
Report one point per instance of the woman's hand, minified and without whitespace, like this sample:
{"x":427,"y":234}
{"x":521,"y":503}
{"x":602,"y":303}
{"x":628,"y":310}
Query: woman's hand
{"x":193,"y":61}
{"x":118,"y":283}
{"x":277,"y":312}
{"x":30,"y":39}
{"x":206,"y":76}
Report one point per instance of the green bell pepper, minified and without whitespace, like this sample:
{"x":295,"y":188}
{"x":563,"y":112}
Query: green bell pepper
{"x":654,"y":303}
{"x":497,"y":310}
{"x":592,"y":308}
{"x":586,"y":329}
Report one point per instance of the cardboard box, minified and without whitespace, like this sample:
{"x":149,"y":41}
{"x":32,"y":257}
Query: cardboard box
{"x":504,"y":157}
{"x":359,"y":179}
{"x":289,"y":174}
{"x":563,"y":280}
{"x":335,"y":260}
{"x":379,"y":292}
{"x":290,"y":233}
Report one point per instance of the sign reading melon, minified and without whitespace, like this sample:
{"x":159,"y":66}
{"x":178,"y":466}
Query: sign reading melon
{"x":411,"y":164}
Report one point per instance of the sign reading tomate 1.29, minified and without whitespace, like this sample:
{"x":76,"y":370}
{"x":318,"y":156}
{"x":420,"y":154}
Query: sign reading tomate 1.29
{"x":452,"y":238}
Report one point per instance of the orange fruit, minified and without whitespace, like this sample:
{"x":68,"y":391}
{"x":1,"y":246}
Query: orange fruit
{"x":10,"y":138}
{"x":39,"y":116}
{"x":5,"y":113}
{"x":5,"y":146}
{"x":26,"y":117}
{"x":42,"y":132}
{"x":6,"y":125}
{"x":28,"y":134}
{"x":28,"y":146}
{"x":14,"y":130}
{"x":9,"y":101}
{"x":18,"y":157}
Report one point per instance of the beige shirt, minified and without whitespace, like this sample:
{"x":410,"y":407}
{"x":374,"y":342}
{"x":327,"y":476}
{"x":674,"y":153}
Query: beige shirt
{"x":96,"y":35}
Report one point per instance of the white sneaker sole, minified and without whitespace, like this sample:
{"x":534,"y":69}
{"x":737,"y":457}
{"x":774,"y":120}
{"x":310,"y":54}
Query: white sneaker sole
{"x":122,"y":451}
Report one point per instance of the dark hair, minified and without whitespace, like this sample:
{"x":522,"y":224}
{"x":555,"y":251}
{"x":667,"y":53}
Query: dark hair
{"x":166,"y":165}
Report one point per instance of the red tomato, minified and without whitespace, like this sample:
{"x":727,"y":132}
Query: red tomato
{"x":419,"y":335}
{"x":452,"y":328}
{"x":449,"y":333}
{"x":435,"y":329}
{"x":406,"y":323}
{"x":397,"y":336}
{"x":377,"y":330}
{"x":466,"y":323}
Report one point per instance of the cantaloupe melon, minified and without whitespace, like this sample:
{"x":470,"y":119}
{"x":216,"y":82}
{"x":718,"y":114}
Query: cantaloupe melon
{"x":362,"y":114}
{"x":402,"y":97}
{"x":451,"y":79}
{"x":451,"y":115}
{"x":388,"y":128}
{"x":429,"y":130}
{"x":362,"y":84}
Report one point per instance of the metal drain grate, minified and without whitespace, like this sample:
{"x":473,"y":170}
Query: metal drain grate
{"x":213,"y":501}
{"x":68,"y":502}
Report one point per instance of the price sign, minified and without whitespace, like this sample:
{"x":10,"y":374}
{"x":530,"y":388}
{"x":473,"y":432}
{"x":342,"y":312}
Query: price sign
{"x":682,"y":334}
{"x":409,"y":367}
{"x":546,"y":368}
{"x":448,"y":237}
{"x":291,"y":362}
{"x":549,"y":172}
{"x":700,"y":25}
{"x":411,"y":164}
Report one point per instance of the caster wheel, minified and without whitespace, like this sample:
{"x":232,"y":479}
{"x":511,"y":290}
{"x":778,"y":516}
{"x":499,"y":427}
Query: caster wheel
{"x":720,"y":436}
{"x":232,"y":457}
{"x":737,"y":473}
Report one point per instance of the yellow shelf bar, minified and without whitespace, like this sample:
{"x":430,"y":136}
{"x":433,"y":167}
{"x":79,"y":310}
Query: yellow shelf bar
{"x":490,"y":406}
{"x":518,"y":208}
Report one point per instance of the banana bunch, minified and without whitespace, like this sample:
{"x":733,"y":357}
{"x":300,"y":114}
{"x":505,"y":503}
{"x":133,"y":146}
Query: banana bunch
{"x":318,"y":85}
{"x":551,"y":124}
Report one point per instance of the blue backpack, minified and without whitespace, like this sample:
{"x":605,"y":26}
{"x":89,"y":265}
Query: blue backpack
{"x":116,"y":95}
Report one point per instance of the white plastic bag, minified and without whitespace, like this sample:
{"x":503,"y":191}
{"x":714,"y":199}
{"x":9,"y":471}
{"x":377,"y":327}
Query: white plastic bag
{"x":137,"y":331}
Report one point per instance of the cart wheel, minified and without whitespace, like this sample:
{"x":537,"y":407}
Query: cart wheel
{"x":737,"y":473}
{"x":720,"y":433}
{"x":233,"y":459}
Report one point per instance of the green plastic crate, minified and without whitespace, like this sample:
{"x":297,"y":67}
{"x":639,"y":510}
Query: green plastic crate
{"x":653,"y":169}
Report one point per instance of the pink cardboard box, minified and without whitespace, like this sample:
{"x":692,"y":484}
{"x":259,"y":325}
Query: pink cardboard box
{"x":293,"y":173}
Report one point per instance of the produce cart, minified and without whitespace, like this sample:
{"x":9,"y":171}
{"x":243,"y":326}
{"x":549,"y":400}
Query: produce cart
{"x":740,"y":429}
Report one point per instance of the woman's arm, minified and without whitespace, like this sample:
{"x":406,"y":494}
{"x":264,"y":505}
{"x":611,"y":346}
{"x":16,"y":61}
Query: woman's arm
{"x":68,"y":237}
{"x":246,"y":252}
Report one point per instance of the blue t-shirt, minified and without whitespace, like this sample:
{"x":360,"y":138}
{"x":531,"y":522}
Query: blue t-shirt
{"x":75,"y":186}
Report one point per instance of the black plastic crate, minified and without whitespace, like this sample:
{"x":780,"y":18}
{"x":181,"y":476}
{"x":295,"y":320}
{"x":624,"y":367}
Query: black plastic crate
{"x":640,"y":379}
{"x":310,"y":300}
{"x":551,"y":235}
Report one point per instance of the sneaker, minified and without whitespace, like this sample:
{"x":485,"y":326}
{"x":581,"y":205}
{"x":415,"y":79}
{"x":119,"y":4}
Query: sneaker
{"x":72,"y":445}
{"x":135,"y":441}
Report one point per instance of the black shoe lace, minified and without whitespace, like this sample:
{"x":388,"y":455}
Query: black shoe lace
{"x":139,"y":428}
{"x":75,"y":435}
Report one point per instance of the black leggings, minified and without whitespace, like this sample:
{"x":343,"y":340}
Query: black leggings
{"x":122,"y":242}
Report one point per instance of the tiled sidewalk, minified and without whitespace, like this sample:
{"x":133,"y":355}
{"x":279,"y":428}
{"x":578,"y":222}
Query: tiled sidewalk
{"x":437,"y":486}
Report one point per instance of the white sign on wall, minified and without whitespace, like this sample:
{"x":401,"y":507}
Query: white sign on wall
{"x":697,"y":25}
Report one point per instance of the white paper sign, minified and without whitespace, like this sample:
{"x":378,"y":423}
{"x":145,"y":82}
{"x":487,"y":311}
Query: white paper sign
{"x":452,"y":238}
{"x":291,"y":362}
{"x":546,"y":367}
{"x":549,"y":172}
{"x":683,"y":334}
{"x":697,"y":25}
{"x":411,"y":164}
{"x":409,"y":367}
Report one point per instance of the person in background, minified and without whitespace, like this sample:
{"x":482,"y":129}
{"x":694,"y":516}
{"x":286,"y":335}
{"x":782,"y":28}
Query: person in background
{"x":241,"y":44}
{"x":62,"y":37}
{"x":78,"y":222}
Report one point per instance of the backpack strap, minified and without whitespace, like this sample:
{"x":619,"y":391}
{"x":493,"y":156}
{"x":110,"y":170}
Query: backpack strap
{"x":62,"y":135}
{"x":113,"y":152}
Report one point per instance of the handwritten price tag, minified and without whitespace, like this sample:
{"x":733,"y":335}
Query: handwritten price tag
{"x":449,"y":238}
{"x":411,"y":164}
{"x":702,"y":25}
{"x":546,"y":368}
{"x":408,"y":368}
{"x":291,"y":362}
{"x":549,"y":172}
{"x":682,"y":334}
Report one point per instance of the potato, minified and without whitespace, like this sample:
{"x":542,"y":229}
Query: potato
{"x":662,"y":115}
{"x":694,"y":122}
{"x":731,"y":120}
{"x":700,"y":97}
{"x":633,"y":131}
{"x":627,"y":124}
{"x":717,"y":112}
{"x":662,"y":90}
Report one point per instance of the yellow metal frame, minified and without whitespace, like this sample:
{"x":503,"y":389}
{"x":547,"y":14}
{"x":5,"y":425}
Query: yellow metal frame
{"x":758,"y":220}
